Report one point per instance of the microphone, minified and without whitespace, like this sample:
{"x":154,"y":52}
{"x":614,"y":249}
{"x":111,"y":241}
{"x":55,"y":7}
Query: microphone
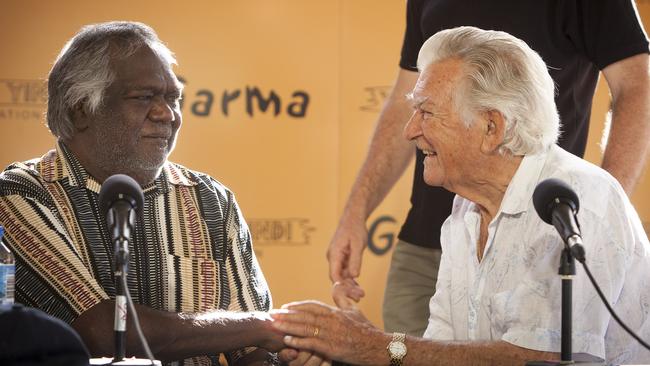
{"x":120,"y":200}
{"x":557,"y":204}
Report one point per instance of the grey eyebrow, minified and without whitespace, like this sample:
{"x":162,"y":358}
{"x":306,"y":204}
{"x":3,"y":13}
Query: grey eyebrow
{"x":416,"y":103}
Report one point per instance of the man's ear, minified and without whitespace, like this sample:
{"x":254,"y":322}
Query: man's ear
{"x":494,"y":130}
{"x":79,"y":117}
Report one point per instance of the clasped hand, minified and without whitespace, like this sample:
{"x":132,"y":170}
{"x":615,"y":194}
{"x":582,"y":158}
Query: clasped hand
{"x":317,"y":333}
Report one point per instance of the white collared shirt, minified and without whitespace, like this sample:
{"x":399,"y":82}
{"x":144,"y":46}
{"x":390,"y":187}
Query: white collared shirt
{"x":514,"y":293}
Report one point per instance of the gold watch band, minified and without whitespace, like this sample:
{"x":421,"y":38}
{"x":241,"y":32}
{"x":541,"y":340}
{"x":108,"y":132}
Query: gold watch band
{"x":397,"y":349}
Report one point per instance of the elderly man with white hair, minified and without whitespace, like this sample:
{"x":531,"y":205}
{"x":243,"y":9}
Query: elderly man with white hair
{"x":485,"y":117}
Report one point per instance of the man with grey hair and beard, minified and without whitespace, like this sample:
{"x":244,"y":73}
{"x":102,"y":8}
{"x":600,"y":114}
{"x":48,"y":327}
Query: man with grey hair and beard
{"x":113,"y":105}
{"x":485,"y":118}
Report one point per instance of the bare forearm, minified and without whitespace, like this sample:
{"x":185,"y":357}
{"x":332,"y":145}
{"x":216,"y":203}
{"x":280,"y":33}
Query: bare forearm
{"x":628,"y":145}
{"x":171,"y":336}
{"x":629,"y":140}
{"x":345,"y":335}
{"x":389,"y":152}
{"x":477,"y":353}
{"x":218,"y":332}
{"x":388,"y":156}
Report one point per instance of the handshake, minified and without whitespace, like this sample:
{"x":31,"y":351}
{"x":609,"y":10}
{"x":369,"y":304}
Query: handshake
{"x":314,"y":333}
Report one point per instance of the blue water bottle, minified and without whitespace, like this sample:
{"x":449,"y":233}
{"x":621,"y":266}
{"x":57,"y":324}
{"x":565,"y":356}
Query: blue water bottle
{"x":7,"y":273}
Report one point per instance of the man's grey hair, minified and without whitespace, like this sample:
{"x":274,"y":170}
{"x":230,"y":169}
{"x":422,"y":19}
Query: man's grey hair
{"x":82,"y":71}
{"x":500,"y":73}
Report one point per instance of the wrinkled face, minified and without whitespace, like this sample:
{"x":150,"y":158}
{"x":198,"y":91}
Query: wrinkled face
{"x":450,"y":148}
{"x":136,"y":127}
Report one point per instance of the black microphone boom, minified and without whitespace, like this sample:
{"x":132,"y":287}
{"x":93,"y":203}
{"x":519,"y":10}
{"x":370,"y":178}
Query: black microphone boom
{"x":118,"y":197}
{"x":557,"y":204}
{"x":120,"y":186}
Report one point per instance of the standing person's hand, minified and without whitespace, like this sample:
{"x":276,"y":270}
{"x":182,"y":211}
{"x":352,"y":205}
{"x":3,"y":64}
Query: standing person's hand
{"x":346,"y":294}
{"x":346,"y":249}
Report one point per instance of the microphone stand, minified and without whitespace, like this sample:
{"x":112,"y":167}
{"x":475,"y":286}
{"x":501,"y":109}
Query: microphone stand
{"x":121,"y":250}
{"x":566,"y":271}
{"x":121,"y":231}
{"x":121,"y":269}
{"x":572,"y":249}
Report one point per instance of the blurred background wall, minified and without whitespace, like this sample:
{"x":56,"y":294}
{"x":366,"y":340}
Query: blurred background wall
{"x":280,"y":102}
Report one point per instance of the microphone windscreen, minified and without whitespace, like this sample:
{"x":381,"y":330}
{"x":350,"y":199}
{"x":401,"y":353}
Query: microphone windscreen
{"x":116,"y":185}
{"x":546,"y":193}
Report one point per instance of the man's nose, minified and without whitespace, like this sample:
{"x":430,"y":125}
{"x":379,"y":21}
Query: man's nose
{"x":413,"y":127}
{"x":161,"y":111}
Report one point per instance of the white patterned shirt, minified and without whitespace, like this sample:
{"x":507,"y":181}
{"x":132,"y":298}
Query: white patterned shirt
{"x":514,"y":293}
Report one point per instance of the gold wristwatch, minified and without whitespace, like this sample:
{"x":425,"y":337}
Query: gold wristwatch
{"x":397,"y":349}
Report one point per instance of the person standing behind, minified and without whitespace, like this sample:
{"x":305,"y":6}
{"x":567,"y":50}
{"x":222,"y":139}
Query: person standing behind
{"x":577,"y":39}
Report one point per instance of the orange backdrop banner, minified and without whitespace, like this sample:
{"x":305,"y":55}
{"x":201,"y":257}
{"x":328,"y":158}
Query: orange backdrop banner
{"x":280,"y":102}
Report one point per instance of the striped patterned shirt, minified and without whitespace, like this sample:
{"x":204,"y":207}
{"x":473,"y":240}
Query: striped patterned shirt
{"x":191,"y":250}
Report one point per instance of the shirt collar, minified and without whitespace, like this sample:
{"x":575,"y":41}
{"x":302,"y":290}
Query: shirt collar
{"x":61,"y":163}
{"x":520,"y":190}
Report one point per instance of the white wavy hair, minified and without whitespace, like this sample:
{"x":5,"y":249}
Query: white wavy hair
{"x":82,"y":71}
{"x":501,"y":73}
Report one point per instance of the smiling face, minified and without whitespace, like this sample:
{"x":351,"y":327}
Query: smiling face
{"x":135,"y":129}
{"x":451,"y":148}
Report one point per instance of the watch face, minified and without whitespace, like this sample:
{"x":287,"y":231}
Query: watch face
{"x":397,"y":349}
